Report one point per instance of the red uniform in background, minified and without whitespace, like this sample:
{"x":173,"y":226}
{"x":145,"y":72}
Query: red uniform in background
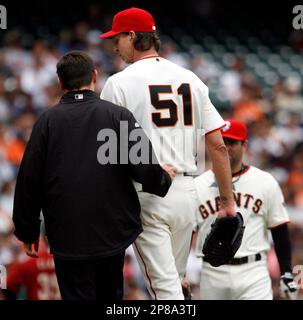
{"x":37,"y":276}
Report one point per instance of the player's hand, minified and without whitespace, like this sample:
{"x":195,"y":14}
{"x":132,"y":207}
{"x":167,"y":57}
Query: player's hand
{"x":186,"y":289}
{"x":32,"y":248}
{"x":288,"y":287}
{"x":171,"y":170}
{"x":227,"y":209}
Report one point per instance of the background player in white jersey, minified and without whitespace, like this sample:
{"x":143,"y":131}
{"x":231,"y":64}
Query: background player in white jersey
{"x":170,"y":103}
{"x":259,"y":198}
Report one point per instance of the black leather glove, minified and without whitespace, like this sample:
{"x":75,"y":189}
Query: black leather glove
{"x":223,"y":240}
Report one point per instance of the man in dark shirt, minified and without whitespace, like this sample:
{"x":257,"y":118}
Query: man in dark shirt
{"x":90,"y":206}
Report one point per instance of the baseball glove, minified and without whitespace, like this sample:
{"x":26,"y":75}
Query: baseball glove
{"x":223,"y":240}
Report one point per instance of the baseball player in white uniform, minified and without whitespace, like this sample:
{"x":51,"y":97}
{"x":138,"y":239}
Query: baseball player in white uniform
{"x":171,"y":104}
{"x":259,"y":199}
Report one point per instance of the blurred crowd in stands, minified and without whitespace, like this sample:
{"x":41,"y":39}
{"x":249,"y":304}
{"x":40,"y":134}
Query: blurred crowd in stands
{"x":28,"y":86}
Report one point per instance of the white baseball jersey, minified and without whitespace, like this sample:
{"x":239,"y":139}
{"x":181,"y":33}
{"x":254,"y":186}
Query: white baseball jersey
{"x":170,"y":103}
{"x":258,"y":198}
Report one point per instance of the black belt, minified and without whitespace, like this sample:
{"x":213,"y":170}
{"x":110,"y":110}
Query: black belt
{"x":238,"y":261}
{"x":188,"y":174}
{"x":243,"y":260}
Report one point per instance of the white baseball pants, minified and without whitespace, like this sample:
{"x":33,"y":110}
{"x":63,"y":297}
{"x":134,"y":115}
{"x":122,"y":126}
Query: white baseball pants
{"x":163,"y":247}
{"x":249,"y":281}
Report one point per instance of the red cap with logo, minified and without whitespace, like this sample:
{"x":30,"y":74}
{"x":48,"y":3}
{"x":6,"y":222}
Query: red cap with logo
{"x":133,"y":19}
{"x":234,"y":129}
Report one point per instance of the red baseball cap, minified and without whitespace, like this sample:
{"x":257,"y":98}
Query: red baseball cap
{"x":234,"y":130}
{"x":133,"y":19}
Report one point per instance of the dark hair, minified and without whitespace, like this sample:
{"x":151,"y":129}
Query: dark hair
{"x":75,"y":70}
{"x":146,"y":40}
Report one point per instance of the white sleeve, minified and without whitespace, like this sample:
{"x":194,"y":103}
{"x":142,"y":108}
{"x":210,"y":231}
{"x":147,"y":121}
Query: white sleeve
{"x":210,"y":117}
{"x":112,"y":93}
{"x":277,"y":213}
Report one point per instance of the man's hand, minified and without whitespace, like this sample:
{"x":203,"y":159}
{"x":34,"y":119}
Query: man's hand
{"x":31,"y":249}
{"x":171,"y":170}
{"x":227,"y":208}
{"x":288,"y":287}
{"x":186,"y":289}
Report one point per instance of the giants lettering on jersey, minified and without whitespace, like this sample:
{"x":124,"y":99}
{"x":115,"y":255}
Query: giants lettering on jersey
{"x":246,"y":201}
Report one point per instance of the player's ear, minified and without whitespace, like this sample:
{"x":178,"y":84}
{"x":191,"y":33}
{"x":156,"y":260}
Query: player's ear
{"x":95,"y":76}
{"x":132,"y":35}
{"x":245,"y":144}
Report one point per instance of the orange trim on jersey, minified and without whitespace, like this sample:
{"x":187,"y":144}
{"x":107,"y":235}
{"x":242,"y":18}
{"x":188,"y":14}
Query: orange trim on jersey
{"x":147,"y":275}
{"x":149,"y":57}
{"x":239,"y":173}
{"x":280,"y":224}
{"x":214,"y":130}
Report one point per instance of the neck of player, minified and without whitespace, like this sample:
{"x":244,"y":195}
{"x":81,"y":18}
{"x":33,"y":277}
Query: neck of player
{"x":237,"y":168}
{"x":139,"y":55}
